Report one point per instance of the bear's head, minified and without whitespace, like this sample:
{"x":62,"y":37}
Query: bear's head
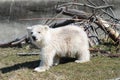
{"x":38,"y":32}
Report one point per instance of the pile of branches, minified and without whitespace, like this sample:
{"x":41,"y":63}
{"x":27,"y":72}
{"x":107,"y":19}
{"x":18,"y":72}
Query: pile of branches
{"x":94,"y":23}
{"x":99,"y":22}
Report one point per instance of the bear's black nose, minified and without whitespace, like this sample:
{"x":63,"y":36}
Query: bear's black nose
{"x":34,"y":38}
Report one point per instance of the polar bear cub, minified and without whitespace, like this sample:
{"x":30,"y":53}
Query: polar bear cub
{"x":66,"y":41}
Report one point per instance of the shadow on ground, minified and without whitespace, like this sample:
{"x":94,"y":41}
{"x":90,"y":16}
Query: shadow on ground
{"x":30,"y":65}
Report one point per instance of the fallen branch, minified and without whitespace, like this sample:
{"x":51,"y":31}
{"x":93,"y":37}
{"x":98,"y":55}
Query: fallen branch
{"x":24,"y":38}
{"x":87,"y":5}
{"x":66,"y":22}
{"x":104,"y":53}
{"x":74,"y":12}
{"x":93,"y":50}
{"x":114,"y":55}
{"x":104,"y":25}
{"x":15,"y":43}
{"x":28,"y":54}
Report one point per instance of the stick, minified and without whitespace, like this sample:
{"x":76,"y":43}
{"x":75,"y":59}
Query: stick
{"x":28,"y":54}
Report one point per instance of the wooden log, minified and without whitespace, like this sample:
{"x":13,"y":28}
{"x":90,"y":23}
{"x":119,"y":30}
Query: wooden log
{"x":104,"y":25}
{"x":19,"y":40}
{"x":74,"y":12}
{"x":14,"y":43}
{"x":66,"y":22}
{"x":6,"y":44}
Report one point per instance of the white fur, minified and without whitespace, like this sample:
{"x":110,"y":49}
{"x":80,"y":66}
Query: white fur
{"x":67,"y":41}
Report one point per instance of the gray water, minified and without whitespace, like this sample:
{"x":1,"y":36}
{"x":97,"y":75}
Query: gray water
{"x":12,"y":29}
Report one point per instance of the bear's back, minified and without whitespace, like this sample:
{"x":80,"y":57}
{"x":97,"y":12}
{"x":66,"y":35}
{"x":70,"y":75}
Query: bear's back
{"x":69,"y":35}
{"x":70,"y":31}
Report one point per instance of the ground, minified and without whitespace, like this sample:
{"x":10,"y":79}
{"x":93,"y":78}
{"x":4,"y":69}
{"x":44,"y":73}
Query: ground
{"x":14,"y":67}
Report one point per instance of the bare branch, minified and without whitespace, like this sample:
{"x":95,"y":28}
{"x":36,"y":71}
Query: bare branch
{"x":87,"y":5}
{"x":113,"y":14}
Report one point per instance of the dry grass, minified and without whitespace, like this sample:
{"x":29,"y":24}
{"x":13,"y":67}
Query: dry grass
{"x":14,"y":67}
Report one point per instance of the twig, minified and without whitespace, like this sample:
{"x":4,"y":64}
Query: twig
{"x":109,"y":8}
{"x":91,"y":2}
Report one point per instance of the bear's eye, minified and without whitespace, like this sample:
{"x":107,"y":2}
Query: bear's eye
{"x":39,"y":32}
{"x":31,"y":32}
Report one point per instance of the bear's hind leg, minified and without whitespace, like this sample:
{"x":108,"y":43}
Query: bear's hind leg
{"x":83,"y":56}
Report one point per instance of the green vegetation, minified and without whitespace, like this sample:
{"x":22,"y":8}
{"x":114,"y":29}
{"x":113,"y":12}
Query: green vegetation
{"x":14,"y":67}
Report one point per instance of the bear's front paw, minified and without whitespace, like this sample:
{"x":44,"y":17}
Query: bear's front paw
{"x":81,"y":61}
{"x":40,"y":69}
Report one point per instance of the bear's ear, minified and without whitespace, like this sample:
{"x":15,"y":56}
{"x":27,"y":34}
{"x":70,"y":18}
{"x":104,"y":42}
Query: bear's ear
{"x":46,"y":27}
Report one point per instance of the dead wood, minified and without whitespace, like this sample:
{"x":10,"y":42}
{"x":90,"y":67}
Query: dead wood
{"x":28,"y":54}
{"x":73,"y":13}
{"x":104,"y":25}
{"x":66,"y":22}
{"x":24,"y":38}
{"x":15,"y":43}
{"x":86,"y":5}
{"x":93,"y":50}
{"x":104,"y":53}
{"x":114,"y":55}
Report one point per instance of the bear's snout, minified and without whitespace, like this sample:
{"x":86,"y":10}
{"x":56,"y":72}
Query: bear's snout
{"x":34,"y":38}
